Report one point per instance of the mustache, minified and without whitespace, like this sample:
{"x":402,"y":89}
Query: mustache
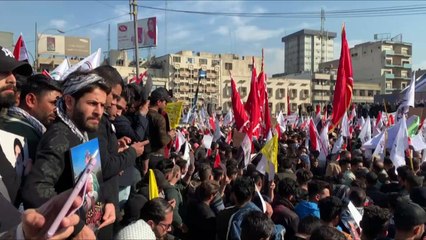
{"x":8,"y":87}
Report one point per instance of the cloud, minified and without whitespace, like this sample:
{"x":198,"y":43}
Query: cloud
{"x":222,"y":30}
{"x":58,"y":23}
{"x":254,"y":33}
{"x":98,"y":31}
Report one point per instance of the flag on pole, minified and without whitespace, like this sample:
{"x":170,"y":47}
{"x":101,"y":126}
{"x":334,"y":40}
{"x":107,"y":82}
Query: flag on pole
{"x":408,"y":99}
{"x":344,"y":84}
{"x":229,"y":118}
{"x":240,"y":115}
{"x":365,"y":133}
{"x":252,"y":105}
{"x":217,"y":160}
{"x":60,"y":70}
{"x":400,"y":144}
{"x":20,"y":52}
{"x":269,"y":161}
{"x":345,"y":130}
{"x":152,"y":188}
{"x":89,"y":63}
{"x":338,"y":145}
{"x":246,"y":145}
{"x":324,"y":145}
{"x":313,"y":136}
{"x":379,"y":151}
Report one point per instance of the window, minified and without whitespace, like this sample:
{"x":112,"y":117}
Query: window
{"x":403,"y":85}
{"x":215,"y":62}
{"x":228,"y":66}
{"x":176,"y":59}
{"x":250,"y":67}
{"x":190,"y":60}
{"x":203,"y":61}
{"x":269,"y":92}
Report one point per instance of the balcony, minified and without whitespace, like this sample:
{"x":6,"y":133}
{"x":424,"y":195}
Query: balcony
{"x":321,"y":98}
{"x":407,"y":65}
{"x":321,"y":87}
{"x":389,"y":75}
{"x":389,"y":52}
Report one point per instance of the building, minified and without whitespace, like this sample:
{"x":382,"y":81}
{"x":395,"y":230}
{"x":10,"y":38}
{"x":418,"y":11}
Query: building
{"x":385,"y":62}
{"x":306,"y":49}
{"x":297,"y":87}
{"x":53,"y":49}
{"x":323,"y":85}
{"x":6,"y":40}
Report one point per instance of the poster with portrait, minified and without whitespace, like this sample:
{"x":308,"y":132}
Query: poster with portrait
{"x":51,"y":44}
{"x":15,"y":149}
{"x":80,"y":157}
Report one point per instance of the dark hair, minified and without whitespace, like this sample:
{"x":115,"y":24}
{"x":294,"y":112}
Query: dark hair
{"x":316,"y":187}
{"x":181,"y":163}
{"x":286,"y":162}
{"x":231,"y":169}
{"x":327,"y":233}
{"x":204,"y":172}
{"x":38,"y":85}
{"x":287,"y":187}
{"x":357,"y":196}
{"x":110,"y":75}
{"x":156,"y":210}
{"x":371,"y":178}
{"x":308,"y":224}
{"x":243,"y":189}
{"x":19,"y":144}
{"x":403,"y":172}
{"x":217,"y":173}
{"x":375,"y":220}
{"x":303,"y":176}
{"x":256,"y":225}
{"x":206,"y":189}
{"x":330,"y":208}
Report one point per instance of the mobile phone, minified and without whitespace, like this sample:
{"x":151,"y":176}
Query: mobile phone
{"x":80,"y":185}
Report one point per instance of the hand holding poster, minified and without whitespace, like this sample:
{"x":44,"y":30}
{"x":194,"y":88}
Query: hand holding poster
{"x":174,"y":111}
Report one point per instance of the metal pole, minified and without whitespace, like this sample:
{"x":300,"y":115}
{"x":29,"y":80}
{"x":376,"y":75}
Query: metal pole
{"x":136,"y":39}
{"x":35,"y":48}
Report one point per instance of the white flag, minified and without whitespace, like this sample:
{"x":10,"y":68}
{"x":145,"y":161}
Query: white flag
{"x":217,"y":132}
{"x":337,"y":145}
{"x":418,"y":142}
{"x":399,"y":145}
{"x":324,"y":145}
{"x":365,"y":133}
{"x":408,"y":100}
{"x":59,"y":71}
{"x":344,"y":131}
{"x":229,"y":118}
{"x":246,"y":146}
{"x":380,"y":148}
{"x":281,"y":122}
{"x":89,"y":63}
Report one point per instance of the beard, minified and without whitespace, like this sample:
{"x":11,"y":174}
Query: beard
{"x":7,"y":100}
{"x":81,"y":121}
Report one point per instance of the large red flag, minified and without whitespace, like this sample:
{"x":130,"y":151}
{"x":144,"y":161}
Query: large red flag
{"x":252,"y":105}
{"x":20,"y":50}
{"x":344,"y":84}
{"x":313,"y":136}
{"x":267,"y":115}
{"x":240,"y":115}
{"x":288,"y":103}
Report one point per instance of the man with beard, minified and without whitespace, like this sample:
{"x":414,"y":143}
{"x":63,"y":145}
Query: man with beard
{"x":9,"y":67}
{"x":79,"y":110}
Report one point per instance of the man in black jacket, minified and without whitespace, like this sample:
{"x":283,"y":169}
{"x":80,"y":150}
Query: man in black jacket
{"x":79,"y":111}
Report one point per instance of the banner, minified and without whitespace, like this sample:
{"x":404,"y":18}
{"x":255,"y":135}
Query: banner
{"x":174,"y":111}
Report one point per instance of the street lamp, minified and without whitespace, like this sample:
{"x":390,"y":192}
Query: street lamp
{"x":37,"y":38}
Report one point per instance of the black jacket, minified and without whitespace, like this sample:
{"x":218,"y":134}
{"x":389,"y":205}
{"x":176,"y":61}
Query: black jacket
{"x":134,"y":126}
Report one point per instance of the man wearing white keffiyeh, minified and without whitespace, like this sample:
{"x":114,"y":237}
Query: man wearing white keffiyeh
{"x":79,"y":110}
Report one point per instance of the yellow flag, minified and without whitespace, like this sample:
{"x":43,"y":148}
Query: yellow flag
{"x":174,"y":111}
{"x":270,"y":151}
{"x":153,"y":188}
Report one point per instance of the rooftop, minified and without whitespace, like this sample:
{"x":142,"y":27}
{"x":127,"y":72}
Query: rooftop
{"x":308,"y":32}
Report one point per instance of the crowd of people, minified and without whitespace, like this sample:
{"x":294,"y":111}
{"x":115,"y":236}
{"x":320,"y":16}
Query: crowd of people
{"x":212,"y":194}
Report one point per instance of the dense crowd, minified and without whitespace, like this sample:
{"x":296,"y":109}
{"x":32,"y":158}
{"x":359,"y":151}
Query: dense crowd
{"x":201,"y":191}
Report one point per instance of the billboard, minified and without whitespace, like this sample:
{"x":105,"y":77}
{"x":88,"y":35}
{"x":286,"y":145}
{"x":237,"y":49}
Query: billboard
{"x":77,"y":46}
{"x":51,"y":44}
{"x":147,"y":34}
{"x":6,"y":40}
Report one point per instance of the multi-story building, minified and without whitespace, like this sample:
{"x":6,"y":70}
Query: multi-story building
{"x":385,"y":62}
{"x":297,"y":87}
{"x":306,"y":49}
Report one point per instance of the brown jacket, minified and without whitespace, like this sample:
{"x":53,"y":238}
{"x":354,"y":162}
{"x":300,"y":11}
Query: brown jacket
{"x":158,"y":136}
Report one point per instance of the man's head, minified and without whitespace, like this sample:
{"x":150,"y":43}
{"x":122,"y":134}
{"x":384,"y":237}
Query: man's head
{"x":9,"y":67}
{"x":409,"y":220}
{"x":113,"y":80}
{"x":287,"y":188}
{"x":375,"y":222}
{"x":308,"y":225}
{"x":159,"y":98}
{"x":327,"y":233}
{"x":38,"y":97}
{"x":318,"y":190}
{"x":256,"y":226}
{"x":330,"y":210}
{"x":84,"y":97}
{"x":207,"y":190}
{"x":242,"y":190}
{"x":158,"y":214}
{"x":205,"y":172}
{"x":357,"y":196}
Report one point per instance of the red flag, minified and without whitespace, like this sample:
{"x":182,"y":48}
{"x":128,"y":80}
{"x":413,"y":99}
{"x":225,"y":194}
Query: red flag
{"x":212,"y":124}
{"x":252,"y":105}
{"x":240,"y":115}
{"x":46,"y":73}
{"x":288,"y":103}
{"x":267,"y":117}
{"x":262,"y":91}
{"x":20,"y":51}
{"x":344,"y":84}
{"x":217,"y":161}
{"x":229,"y":137}
{"x":209,"y":152}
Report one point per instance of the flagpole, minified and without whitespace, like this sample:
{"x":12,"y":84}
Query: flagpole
{"x":136,"y":38}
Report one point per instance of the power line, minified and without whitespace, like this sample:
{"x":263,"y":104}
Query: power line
{"x":350,"y":13}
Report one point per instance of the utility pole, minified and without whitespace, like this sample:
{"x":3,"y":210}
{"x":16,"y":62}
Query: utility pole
{"x":134,"y":12}
{"x":322,"y":35}
{"x":35,"y":48}
{"x":109,"y":44}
